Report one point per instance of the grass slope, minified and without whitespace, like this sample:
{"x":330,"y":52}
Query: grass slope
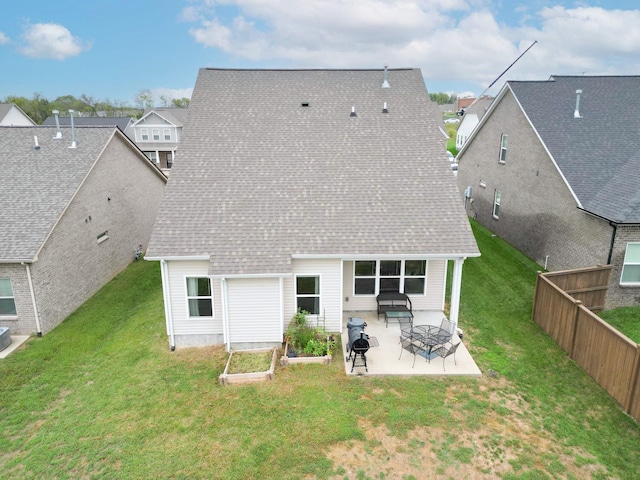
{"x":103,"y":397}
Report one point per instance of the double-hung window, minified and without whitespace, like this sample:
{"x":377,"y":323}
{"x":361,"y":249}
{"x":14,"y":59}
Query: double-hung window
{"x":167,"y":134}
{"x":7,"y":301}
{"x":144,"y":134}
{"x":631,"y":267}
{"x":378,"y":276}
{"x":199,"y":297}
{"x":155,"y":134}
{"x":503,"y":148}
{"x":308,"y":293}
{"x":496,"y":204}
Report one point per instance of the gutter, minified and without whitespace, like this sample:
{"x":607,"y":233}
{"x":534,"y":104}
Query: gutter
{"x":225,"y":314}
{"x":613,"y":240}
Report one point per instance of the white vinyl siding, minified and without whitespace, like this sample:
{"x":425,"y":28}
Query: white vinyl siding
{"x":254,"y":309}
{"x":178,"y":271}
{"x":433,"y":299}
{"x":328,"y":270}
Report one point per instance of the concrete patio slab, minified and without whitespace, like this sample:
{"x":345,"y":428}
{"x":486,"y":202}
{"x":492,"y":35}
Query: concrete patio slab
{"x":385,"y":359}
{"x":16,"y":341}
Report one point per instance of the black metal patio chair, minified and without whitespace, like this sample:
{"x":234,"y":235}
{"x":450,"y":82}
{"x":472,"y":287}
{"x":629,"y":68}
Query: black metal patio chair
{"x":446,"y":350}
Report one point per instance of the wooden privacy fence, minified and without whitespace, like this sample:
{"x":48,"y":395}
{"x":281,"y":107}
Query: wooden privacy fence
{"x":611,"y":358}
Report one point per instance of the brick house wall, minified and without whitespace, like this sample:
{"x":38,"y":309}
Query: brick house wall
{"x":25,"y":321}
{"x":120,"y":196}
{"x":618,"y":296}
{"x":538,"y":214}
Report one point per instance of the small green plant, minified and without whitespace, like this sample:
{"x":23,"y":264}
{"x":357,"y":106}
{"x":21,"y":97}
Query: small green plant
{"x":303,"y":338}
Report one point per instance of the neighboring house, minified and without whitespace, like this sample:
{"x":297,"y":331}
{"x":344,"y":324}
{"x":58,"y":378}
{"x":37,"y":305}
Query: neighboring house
{"x":312,"y":189}
{"x":554,"y":169}
{"x":464,"y":102}
{"x":72,"y":218}
{"x":472,"y":116}
{"x":158,"y":133}
{"x":123,"y":123}
{"x":12,"y":115}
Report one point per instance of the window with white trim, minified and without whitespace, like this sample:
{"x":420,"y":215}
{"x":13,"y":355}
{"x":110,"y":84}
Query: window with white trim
{"x":144,"y":134}
{"x":496,"y":204}
{"x":631,"y":266}
{"x":152,"y":156}
{"x":364,"y":277}
{"x":7,"y":301}
{"x":155,"y":134}
{"x":167,"y":134}
{"x":371,"y":277}
{"x":503,"y":148}
{"x":199,"y":298}
{"x":308,"y":293}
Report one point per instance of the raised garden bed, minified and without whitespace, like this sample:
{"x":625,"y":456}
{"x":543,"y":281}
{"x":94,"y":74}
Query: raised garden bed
{"x":301,"y":357}
{"x":235,"y":374}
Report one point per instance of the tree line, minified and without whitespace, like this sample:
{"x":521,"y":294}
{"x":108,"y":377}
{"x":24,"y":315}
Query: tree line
{"x":39,"y":108}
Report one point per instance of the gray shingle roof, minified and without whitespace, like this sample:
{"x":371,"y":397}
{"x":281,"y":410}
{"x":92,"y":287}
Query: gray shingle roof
{"x":177,"y":116}
{"x":121,"y":122}
{"x":260,"y":177}
{"x":38,"y":184}
{"x":599,"y":154}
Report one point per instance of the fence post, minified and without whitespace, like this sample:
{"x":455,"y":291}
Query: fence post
{"x":574,"y":326}
{"x":633,"y":382}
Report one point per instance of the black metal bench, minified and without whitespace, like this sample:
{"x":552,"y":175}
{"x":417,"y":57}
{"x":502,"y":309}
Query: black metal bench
{"x":398,"y":304}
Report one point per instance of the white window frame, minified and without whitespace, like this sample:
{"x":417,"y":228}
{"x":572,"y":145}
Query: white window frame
{"x":633,"y":264}
{"x":198,"y":297}
{"x":144,"y":134}
{"x":309,"y":295}
{"x":503,"y":148}
{"x":497,"y":199}
{"x":166,"y":134}
{"x":153,"y":156}
{"x":377,"y":277}
{"x":155,"y":134}
{"x":9,"y":297}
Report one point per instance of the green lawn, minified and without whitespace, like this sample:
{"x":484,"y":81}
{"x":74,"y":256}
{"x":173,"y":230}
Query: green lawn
{"x":103,"y":397}
{"x":625,"y":320}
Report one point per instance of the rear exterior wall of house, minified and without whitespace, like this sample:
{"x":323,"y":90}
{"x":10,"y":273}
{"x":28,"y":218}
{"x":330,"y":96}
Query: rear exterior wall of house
{"x":619,"y":296}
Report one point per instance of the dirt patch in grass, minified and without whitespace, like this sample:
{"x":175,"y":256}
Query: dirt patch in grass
{"x":505,"y":440}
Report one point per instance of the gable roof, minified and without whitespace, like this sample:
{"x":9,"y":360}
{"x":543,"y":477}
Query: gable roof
{"x":262,"y":178}
{"x":121,"y":122}
{"x":5,"y":108}
{"x":598,"y":155}
{"x":175,"y":116}
{"x":38,"y":184}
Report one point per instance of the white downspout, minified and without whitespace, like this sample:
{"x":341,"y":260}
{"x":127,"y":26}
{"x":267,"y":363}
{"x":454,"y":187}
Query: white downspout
{"x":166,"y":293}
{"x":33,"y":300}
{"x":281,"y":307}
{"x":225,"y":314}
{"x":456,"y":284}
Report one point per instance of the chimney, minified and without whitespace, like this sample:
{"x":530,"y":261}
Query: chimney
{"x":73,"y":131}
{"x":576,"y":114}
{"x":58,"y":132}
{"x":385,"y":83}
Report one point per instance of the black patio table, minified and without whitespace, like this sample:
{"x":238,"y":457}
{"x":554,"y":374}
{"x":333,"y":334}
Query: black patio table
{"x":430,"y":336}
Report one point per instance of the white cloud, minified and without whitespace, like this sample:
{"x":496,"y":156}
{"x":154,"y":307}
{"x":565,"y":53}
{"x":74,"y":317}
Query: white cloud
{"x":3,"y":38}
{"x":171,"y":93}
{"x":450,"y":40}
{"x":51,"y":40}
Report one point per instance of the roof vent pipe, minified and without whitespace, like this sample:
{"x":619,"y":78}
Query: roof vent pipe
{"x":576,"y":114}
{"x":384,"y":108}
{"x":35,"y":140}
{"x":385,"y":83}
{"x":353,"y":112}
{"x":73,"y":131}
{"x":58,"y":132}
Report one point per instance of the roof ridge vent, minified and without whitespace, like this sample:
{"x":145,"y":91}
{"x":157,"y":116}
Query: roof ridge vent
{"x":576,"y":114}
{"x":385,"y":83}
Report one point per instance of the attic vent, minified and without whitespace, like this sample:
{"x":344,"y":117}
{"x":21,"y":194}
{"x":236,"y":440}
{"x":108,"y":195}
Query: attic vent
{"x":385,"y":82}
{"x":305,"y":104}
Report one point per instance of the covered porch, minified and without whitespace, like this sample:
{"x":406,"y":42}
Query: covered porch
{"x":383,"y":359}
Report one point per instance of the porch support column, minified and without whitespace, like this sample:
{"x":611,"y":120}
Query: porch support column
{"x":456,"y":283}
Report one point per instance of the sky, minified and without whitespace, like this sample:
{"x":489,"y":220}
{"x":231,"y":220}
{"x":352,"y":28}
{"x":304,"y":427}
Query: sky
{"x":113,"y":49}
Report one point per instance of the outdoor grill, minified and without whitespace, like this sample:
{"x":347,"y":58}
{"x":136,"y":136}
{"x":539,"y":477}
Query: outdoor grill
{"x":358,"y":342}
